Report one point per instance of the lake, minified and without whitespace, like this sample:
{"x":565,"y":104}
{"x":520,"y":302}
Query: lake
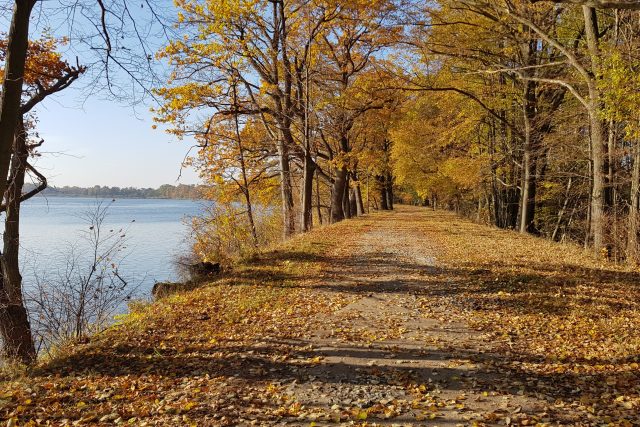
{"x":156,"y":232}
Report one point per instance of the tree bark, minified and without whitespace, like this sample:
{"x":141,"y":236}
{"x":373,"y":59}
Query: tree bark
{"x":14,"y":321}
{"x":306,"y":205}
{"x":360,"y":205}
{"x":286,"y":192}
{"x":318,"y":200}
{"x":587,"y":234}
{"x":633,"y":254}
{"x":17,"y":44}
{"x":597,"y":133}
{"x":12,"y":279}
{"x":346,"y":207}
{"x":243,"y":169}
{"x":529,"y":162}
{"x":597,"y":192}
{"x":16,"y":332}
{"x":280,"y":76}
{"x":495,"y":192}
{"x":609,"y":166}
{"x":388,"y":188}
{"x":337,"y":194}
{"x":353,"y":203}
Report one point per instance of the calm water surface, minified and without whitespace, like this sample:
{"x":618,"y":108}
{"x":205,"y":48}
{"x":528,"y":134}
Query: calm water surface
{"x":157,"y":234}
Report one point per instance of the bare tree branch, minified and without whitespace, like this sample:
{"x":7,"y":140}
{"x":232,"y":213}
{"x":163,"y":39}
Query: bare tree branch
{"x":600,"y":4}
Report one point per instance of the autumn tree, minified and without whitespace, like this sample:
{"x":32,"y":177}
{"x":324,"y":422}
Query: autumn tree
{"x":352,"y":84}
{"x":45,"y":74}
{"x":253,"y":42}
{"x":236,"y":162}
{"x":103,"y":31}
{"x":305,"y":72}
{"x":523,"y":65}
{"x":620,"y":87}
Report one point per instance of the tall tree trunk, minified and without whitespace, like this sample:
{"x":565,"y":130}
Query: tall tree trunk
{"x":597,"y":191}
{"x":318,"y":200}
{"x":286,"y":192}
{"x":633,"y":254}
{"x":15,"y":331}
{"x":346,"y":207}
{"x":17,"y":44}
{"x":306,"y":204}
{"x":14,"y":322}
{"x":529,"y":163}
{"x":609,"y":166}
{"x":495,"y":191}
{"x":243,"y":170}
{"x":353,"y":203}
{"x":488,"y":204}
{"x":368,"y":194}
{"x":587,"y":235}
{"x":597,"y":132}
{"x":280,"y":75}
{"x":337,"y":194}
{"x":388,"y":188}
{"x":528,"y":196}
{"x":252,"y":223}
{"x":360,"y":205}
{"x":513,"y":203}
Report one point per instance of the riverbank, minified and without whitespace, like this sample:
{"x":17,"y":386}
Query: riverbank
{"x":410,"y":317}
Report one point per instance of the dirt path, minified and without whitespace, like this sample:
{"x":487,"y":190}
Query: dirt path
{"x":383,"y":358}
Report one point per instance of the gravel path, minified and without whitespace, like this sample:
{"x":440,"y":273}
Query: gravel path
{"x":384,"y":359}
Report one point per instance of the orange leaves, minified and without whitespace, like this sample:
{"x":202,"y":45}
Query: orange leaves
{"x":435,"y":146}
{"x":44,"y":64}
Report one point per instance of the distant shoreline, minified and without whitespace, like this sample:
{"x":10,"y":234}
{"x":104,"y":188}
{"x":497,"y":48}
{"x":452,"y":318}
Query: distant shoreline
{"x":166,"y":191}
{"x":107,"y":196}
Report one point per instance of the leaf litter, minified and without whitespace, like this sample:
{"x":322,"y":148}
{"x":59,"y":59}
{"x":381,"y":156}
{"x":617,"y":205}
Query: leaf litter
{"x":405,"y":318}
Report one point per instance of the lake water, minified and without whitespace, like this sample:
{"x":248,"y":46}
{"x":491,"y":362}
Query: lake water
{"x":157,"y":233}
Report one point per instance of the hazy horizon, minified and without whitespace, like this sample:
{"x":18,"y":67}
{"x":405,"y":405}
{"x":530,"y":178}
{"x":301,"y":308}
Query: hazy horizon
{"x":103,"y":143}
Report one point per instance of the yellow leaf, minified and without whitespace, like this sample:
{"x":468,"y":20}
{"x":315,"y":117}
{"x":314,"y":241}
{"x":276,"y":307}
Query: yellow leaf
{"x":188,"y":406}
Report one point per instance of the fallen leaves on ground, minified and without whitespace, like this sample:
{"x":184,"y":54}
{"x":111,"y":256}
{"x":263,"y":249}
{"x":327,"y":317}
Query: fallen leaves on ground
{"x":564,"y":322}
{"x":540,"y":321}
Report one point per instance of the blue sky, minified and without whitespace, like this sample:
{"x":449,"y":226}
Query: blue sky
{"x":99,"y":142}
{"x":96,"y":140}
